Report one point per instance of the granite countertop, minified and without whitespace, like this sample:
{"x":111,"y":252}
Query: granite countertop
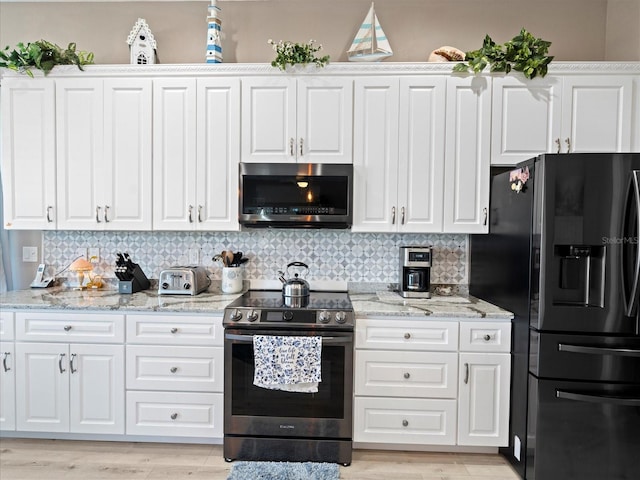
{"x":365,"y":304}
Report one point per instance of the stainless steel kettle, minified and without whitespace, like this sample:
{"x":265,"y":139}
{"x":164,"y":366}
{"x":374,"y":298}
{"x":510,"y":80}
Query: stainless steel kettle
{"x":295,"y":290}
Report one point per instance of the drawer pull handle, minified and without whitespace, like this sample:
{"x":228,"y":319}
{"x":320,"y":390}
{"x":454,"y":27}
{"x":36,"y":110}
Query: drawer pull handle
{"x":487,"y":337}
{"x":67,"y":328}
{"x":407,"y":336}
{"x":407,"y":375}
{"x":62,"y":370}
{"x":174,"y":416}
{"x":466,"y":373}
{"x":73,"y":357}
{"x":174,"y":369}
{"x":4,"y":361}
{"x":405,"y":423}
{"x":49,"y":207}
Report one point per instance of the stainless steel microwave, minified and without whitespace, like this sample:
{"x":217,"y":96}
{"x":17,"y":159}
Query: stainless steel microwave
{"x":296,"y":195}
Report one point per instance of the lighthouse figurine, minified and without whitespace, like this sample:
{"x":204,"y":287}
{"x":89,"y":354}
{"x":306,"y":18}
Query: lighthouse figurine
{"x":214,"y":30}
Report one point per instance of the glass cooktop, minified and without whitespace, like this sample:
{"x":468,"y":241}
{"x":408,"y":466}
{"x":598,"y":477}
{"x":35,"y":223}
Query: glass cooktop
{"x":273,"y":299}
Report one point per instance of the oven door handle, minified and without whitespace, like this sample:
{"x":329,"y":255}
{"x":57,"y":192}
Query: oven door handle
{"x":325,"y":340}
{"x":581,"y":397}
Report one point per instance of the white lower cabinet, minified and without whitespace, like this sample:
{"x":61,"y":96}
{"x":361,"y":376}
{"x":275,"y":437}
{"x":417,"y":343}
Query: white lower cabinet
{"x":431,"y":382}
{"x":7,"y":387}
{"x":175,"y":368}
{"x":70,"y":388}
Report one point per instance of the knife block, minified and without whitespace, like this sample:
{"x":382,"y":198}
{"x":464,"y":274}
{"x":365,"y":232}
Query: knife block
{"x":138,"y":282}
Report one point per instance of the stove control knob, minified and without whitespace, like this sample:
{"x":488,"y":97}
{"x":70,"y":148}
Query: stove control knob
{"x":287,"y":315}
{"x":236,"y":315}
{"x":252,"y":316}
{"x":341,"y":317}
{"x":324,"y":317}
{"x":165,"y":286}
{"x":186,"y":286}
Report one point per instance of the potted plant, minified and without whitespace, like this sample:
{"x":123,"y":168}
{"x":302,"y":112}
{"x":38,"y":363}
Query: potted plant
{"x":288,"y":53}
{"x":523,"y":53}
{"x":42,"y":55}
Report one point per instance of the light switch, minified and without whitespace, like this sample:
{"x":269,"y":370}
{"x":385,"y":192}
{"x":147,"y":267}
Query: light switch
{"x":30,"y":254}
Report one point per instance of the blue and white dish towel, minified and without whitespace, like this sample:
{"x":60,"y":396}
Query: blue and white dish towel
{"x":287,"y":363}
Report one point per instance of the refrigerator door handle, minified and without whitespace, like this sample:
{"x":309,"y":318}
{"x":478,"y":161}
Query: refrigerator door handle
{"x":620,"y":352}
{"x":582,"y":397}
{"x":633,"y":296}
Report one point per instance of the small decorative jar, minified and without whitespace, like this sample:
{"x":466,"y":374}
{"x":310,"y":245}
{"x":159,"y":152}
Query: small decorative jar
{"x":231,"y":279}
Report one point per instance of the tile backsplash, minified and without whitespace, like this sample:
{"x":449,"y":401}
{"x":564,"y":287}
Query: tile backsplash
{"x":330,"y":254}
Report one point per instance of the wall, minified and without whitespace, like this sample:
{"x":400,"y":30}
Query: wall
{"x":623,"y":30}
{"x":330,"y":254}
{"x":577,"y":28}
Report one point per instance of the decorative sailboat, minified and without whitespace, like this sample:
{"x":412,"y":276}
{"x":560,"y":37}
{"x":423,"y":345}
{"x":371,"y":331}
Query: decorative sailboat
{"x":370,"y":43}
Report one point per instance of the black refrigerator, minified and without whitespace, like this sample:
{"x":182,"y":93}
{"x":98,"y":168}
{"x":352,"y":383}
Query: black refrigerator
{"x":562,"y":254}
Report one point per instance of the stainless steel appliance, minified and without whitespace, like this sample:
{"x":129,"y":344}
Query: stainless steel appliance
{"x":275,"y":425}
{"x":562,"y":254}
{"x":415,"y":271}
{"x":295,"y":195}
{"x":183,"y":281}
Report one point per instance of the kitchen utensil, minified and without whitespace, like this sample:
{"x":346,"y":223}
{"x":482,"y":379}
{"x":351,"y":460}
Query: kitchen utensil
{"x":295,"y":290}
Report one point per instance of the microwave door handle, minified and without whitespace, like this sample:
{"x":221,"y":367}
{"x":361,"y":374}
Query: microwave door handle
{"x":630,"y":303}
{"x":325,"y":340}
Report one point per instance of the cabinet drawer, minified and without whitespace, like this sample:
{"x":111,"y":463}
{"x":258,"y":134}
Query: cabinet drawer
{"x":175,"y":414}
{"x":395,"y":334}
{"x":175,"y":330}
{"x":394,"y":420}
{"x":6,"y":326}
{"x":485,"y":336}
{"x":69,"y":327}
{"x":194,"y":369}
{"x":406,"y":374}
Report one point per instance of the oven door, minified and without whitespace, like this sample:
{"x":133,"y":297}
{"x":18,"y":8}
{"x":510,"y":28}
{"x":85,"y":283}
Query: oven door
{"x":256,"y":411}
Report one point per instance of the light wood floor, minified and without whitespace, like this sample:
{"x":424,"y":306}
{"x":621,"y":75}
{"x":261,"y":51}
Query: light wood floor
{"x":26,"y":459}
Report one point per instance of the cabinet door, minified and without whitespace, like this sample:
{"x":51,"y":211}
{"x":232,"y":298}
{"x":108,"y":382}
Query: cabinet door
{"x":466,"y":196}
{"x":126,"y":200}
{"x":7,"y":386}
{"x":596,"y":113}
{"x":525,"y":118}
{"x":218,"y":153}
{"x":375,"y":155}
{"x":483,"y":403}
{"x":42,"y":387}
{"x":174,"y":154}
{"x":269,"y":119}
{"x":28,"y":153}
{"x":97,"y":385}
{"x":80,"y":161}
{"x":324,"y":117}
{"x":421,"y":153}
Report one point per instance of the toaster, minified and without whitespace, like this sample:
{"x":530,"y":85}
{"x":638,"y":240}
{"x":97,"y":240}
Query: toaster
{"x":183,"y":281}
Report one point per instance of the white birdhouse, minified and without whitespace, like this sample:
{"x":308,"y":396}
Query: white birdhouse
{"x":142,"y":45}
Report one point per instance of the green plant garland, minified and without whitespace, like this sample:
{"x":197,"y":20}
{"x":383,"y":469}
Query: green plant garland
{"x":42,"y":55}
{"x":288,"y":53}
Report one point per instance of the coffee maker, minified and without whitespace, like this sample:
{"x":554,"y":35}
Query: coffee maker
{"x":415,"y":272}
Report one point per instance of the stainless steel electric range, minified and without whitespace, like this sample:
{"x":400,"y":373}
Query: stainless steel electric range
{"x":274,"y":425}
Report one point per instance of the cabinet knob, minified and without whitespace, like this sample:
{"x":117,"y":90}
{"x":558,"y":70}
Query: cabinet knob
{"x":174,"y":416}
{"x":487,"y":337}
{"x":174,"y":369}
{"x":174,"y":330}
{"x":407,"y":336}
{"x":67,"y":328}
{"x":405,"y":423}
{"x":407,"y":375}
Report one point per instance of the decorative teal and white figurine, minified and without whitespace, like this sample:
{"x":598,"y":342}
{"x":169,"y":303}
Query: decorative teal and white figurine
{"x":214,"y":30}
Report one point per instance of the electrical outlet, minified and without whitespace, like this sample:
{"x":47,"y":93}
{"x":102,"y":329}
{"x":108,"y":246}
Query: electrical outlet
{"x":81,"y":252}
{"x":94,"y":255}
{"x":194,"y":256}
{"x":29,"y":254}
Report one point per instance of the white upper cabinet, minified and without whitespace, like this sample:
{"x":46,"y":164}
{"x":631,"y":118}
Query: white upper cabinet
{"x":305,"y":120}
{"x":28,"y":153}
{"x":467,"y":150}
{"x":103,"y":132}
{"x":560,"y":114}
{"x":196,"y":137}
{"x":399,"y":154}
